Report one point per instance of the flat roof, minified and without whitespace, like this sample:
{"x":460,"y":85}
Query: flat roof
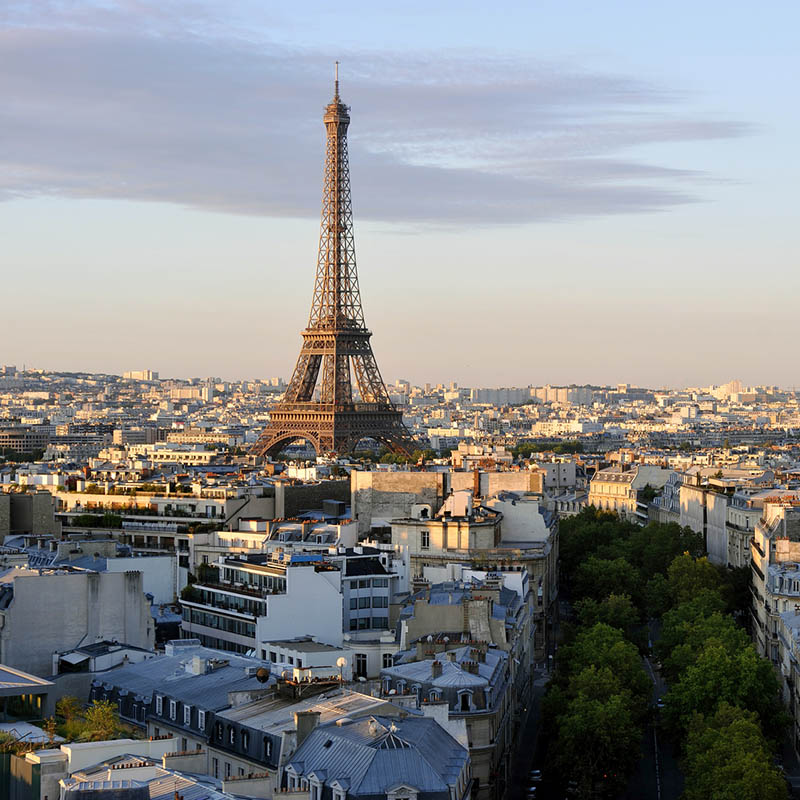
{"x":303,"y":645}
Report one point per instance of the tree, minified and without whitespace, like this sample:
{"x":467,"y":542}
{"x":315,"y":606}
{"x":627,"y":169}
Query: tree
{"x":49,"y":727}
{"x":102,"y":721}
{"x":654,"y":547}
{"x":603,"y":646}
{"x":598,"y":578}
{"x":656,"y":596}
{"x":728,"y":758}
{"x":591,"y":532}
{"x":687,"y":576}
{"x":688,"y":640}
{"x":677,"y":622}
{"x":69,"y":708}
{"x":739,"y":677}
{"x":598,"y":743}
{"x":616,"y":610}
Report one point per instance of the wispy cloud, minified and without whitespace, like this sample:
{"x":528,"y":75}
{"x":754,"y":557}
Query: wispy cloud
{"x":165,"y":102}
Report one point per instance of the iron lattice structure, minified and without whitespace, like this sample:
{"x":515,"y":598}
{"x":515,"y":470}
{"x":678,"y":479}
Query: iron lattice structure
{"x":336,"y":341}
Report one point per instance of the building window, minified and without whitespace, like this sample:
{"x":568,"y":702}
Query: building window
{"x":245,"y":741}
{"x":360,"y":665}
{"x":232,"y":735}
{"x":363,"y":602}
{"x":227,"y":769}
{"x":215,"y":767}
{"x":201,"y":720}
{"x":173,"y":709}
{"x":184,"y":745}
{"x":267,"y":747}
{"x":353,"y":602}
{"x":363,"y":584}
{"x":388,"y":661}
{"x":159,"y":704}
{"x":187,"y":715}
{"x":424,"y":540}
{"x":273,"y":656}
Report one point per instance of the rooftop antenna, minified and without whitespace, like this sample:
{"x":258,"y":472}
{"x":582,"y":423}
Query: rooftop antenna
{"x":336,"y":79}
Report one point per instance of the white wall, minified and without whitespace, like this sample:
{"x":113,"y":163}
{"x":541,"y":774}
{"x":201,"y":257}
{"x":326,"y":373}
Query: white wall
{"x":158,"y":574}
{"x":85,"y":754}
{"x":61,"y":611}
{"x":312,"y":606}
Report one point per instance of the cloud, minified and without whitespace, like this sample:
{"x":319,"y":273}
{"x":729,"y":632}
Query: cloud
{"x":181,"y":108}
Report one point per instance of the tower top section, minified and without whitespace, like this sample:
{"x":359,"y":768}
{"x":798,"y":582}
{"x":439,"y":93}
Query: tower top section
{"x":336,"y":112}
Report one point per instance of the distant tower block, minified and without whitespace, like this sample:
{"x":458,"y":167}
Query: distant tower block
{"x":336,"y":342}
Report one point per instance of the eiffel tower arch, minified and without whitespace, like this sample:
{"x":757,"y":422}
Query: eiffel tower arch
{"x":336,"y":395}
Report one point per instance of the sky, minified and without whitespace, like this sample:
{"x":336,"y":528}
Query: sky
{"x":543,"y":192}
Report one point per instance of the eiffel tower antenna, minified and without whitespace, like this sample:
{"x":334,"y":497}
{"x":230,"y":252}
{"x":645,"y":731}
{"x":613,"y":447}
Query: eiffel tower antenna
{"x":351,"y":401}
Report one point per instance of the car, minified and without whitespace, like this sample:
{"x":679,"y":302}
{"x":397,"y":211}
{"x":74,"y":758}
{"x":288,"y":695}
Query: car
{"x":659,"y":703}
{"x":535,"y":775}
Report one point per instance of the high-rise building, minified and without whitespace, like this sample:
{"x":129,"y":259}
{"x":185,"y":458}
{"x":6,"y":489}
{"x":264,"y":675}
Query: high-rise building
{"x":336,"y":343}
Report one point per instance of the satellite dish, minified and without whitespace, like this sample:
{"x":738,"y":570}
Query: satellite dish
{"x":262,"y":674}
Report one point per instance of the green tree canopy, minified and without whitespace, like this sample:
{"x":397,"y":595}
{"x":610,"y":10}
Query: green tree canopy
{"x":598,"y":578}
{"x":102,"y":721}
{"x":602,"y":646}
{"x":727,"y":758}
{"x":599,"y":743}
{"x":616,"y":610}
{"x":688,"y":576}
{"x":739,"y":677}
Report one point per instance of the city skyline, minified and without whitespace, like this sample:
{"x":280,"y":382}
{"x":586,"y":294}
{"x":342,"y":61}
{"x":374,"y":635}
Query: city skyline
{"x":185,"y":150}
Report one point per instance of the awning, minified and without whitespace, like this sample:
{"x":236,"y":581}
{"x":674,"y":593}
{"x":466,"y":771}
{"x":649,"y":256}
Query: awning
{"x":74,"y":658}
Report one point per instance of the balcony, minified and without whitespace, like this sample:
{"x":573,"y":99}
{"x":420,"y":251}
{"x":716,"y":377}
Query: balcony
{"x":233,"y":589}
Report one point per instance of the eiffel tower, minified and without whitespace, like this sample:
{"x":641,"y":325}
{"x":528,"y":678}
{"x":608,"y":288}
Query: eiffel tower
{"x":336,"y":341}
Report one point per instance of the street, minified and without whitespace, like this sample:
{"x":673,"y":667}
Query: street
{"x":657,"y":776}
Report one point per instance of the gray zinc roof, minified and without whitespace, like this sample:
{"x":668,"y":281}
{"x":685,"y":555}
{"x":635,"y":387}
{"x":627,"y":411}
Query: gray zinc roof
{"x":374,"y":755}
{"x":172,"y":675}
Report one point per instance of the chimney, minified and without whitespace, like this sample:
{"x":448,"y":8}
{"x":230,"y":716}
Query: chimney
{"x":436,"y":669}
{"x":476,"y":483}
{"x":304,"y":723}
{"x":199,"y":665}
